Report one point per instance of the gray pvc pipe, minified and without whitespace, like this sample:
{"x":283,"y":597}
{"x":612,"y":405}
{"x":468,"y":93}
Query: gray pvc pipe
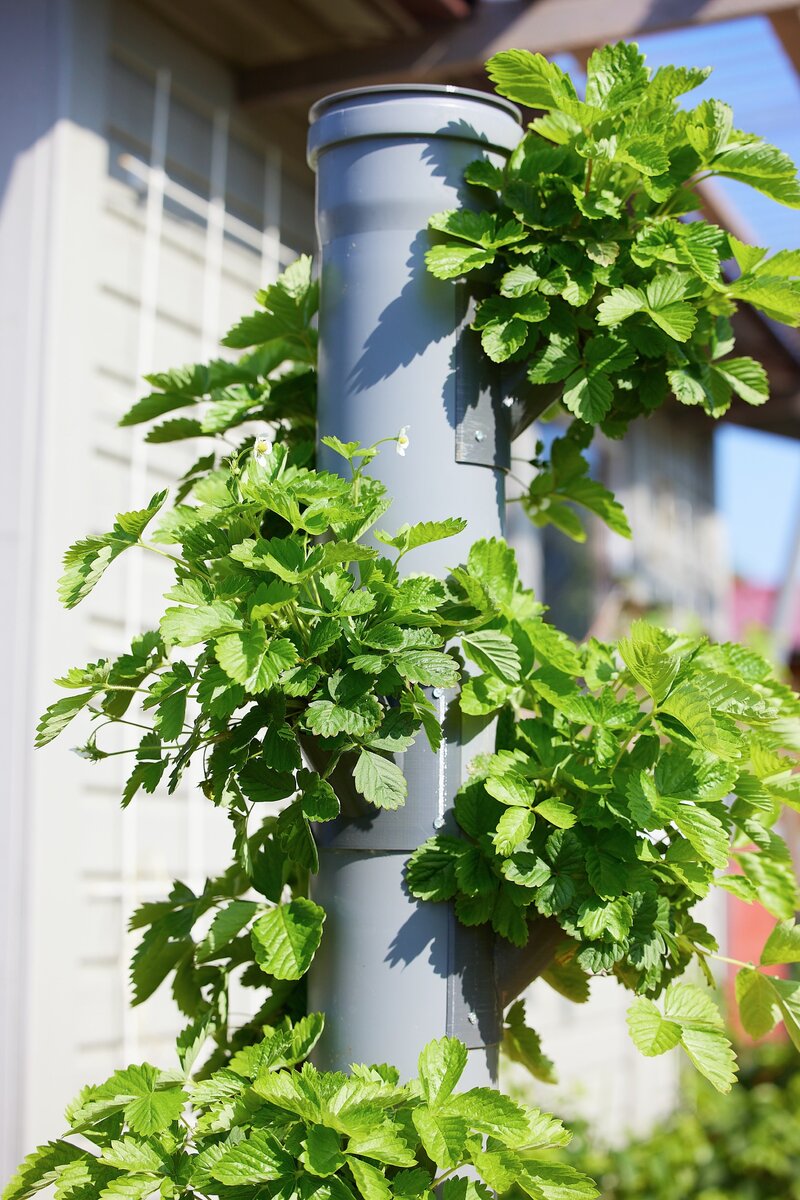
{"x":391,"y":973}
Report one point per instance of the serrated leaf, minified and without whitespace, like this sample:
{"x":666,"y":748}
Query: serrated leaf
{"x":513,"y":828}
{"x":645,"y":655}
{"x":380,"y":780}
{"x":747,"y":378}
{"x":758,"y":1003}
{"x":788,"y":993}
{"x":709,"y":127}
{"x":453,"y":260}
{"x":556,"y":1181}
{"x":370,"y":1181}
{"x":620,"y":304}
{"x":257,"y":1157}
{"x":358,"y":717}
{"x":523,"y":1045}
{"x":428,"y":667}
{"x":783,"y":945}
{"x":41,"y":1168}
{"x":525,"y":77}
{"x":493,"y":652}
{"x":410,"y":537}
{"x":183,"y":626}
{"x":706,"y":833}
{"x":588,"y":395}
{"x":651,"y":1032}
{"x":444,"y":1135}
{"x":286,"y":938}
{"x":129,"y":1154}
{"x":86,"y":561}
{"x":57,"y":716}
{"x":227,"y":923}
{"x":252,"y":659}
{"x":322,"y":1153}
{"x":441,"y":1064}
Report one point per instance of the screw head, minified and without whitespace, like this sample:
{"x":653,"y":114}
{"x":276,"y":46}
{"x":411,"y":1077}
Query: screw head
{"x":479,"y":435}
{"x":437,"y":693}
{"x":472,"y":1018}
{"x":438,"y":823}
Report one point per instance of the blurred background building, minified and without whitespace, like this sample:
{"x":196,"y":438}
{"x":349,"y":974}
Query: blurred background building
{"x":152,"y":176}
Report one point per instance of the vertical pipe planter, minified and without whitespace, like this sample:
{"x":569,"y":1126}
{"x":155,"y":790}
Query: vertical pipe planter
{"x":394,"y":351}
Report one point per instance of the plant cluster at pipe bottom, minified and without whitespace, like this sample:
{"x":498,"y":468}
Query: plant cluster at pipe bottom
{"x":267,"y":1127}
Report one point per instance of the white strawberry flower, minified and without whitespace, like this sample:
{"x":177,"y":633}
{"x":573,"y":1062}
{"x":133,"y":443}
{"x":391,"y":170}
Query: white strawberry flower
{"x":262,"y":448}
{"x":402,"y":441}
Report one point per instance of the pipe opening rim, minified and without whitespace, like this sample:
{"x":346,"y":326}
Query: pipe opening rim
{"x":385,"y":90}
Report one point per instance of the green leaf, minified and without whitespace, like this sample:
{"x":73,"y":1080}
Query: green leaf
{"x":187,"y":626}
{"x":758,"y":1003}
{"x":706,"y":833}
{"x":319,"y":801}
{"x":559,"y":359}
{"x":483,"y":228}
{"x":788,"y":993}
{"x":444,"y":1135}
{"x":513,"y":828}
{"x":286,"y":938}
{"x":747,"y":378}
{"x":128,"y":1154}
{"x":783,"y":945}
{"x":381,"y":1142}
{"x":322,"y":1154}
{"x":86,"y":561}
{"x":588,"y":395}
{"x":441,"y":1064}
{"x":523,"y":1045}
{"x":490,"y":1112}
{"x":41,"y":1169}
{"x":619,"y":304}
{"x":667,"y":309}
{"x":702,"y":1033}
{"x":227,"y":923}
{"x":287,"y":308}
{"x":430,"y":873}
{"x":257,"y":1157}
{"x":358,"y":718}
{"x":428,"y":667}
{"x":453,"y":260}
{"x":252,"y":659}
{"x":651,"y":1032}
{"x":493,"y":652}
{"x":179,"y":429}
{"x":556,"y":1181}
{"x":616,"y":77}
{"x":370,"y":1181}
{"x":645,"y":655}
{"x":709,"y":127}
{"x":57,"y":716}
{"x":525,"y":77}
{"x":379,"y":780}
{"x":149,"y":1102}
{"x":762,"y":166}
{"x":410,"y":537}
{"x":500,"y":339}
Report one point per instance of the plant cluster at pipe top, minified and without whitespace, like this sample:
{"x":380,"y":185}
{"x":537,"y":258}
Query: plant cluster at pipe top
{"x":627,"y":779}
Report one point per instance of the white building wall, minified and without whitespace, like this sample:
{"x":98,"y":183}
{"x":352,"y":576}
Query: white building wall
{"x":138,"y":216}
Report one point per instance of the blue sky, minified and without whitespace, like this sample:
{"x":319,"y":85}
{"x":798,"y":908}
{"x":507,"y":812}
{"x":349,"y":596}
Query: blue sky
{"x":758,"y":475}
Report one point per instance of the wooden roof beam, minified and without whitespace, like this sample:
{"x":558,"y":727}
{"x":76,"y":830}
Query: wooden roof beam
{"x":787,"y":26}
{"x":453,"y":51}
